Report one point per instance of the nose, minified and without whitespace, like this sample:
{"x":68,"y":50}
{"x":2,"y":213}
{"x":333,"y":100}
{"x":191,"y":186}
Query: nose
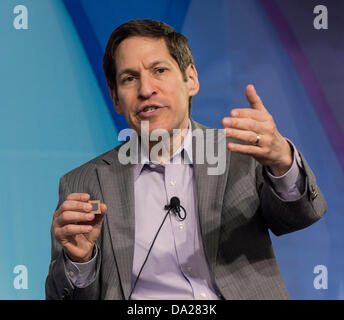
{"x":147,"y":87}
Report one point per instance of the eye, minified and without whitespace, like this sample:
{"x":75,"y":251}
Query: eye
{"x":160,"y":70}
{"x":128,"y":79}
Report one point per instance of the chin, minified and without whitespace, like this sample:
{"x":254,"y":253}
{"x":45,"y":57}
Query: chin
{"x":159,"y":124}
{"x":157,"y":127}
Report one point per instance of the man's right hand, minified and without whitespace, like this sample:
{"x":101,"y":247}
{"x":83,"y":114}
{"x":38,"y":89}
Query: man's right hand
{"x":75,"y":228}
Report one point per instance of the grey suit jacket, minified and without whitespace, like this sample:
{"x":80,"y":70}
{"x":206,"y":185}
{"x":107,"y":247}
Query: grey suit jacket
{"x":236,"y":209}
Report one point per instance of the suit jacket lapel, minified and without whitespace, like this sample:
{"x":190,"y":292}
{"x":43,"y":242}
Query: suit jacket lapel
{"x":210,"y":191}
{"x":117,"y":186}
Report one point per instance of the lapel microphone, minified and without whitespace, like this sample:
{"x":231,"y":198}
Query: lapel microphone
{"x":175,"y":207}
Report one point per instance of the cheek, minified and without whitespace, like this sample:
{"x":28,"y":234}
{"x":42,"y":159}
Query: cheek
{"x":179,"y":93}
{"x":126,"y":103}
{"x":183,"y":98}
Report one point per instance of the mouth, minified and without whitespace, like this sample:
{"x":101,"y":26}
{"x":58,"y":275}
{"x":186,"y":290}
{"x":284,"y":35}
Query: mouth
{"x":148,"y":111}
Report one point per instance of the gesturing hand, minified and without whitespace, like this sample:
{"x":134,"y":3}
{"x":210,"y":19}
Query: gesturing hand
{"x":75,"y":228}
{"x":256,"y":128}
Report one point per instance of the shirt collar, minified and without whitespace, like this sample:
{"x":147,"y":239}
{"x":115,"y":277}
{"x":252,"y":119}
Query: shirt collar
{"x":182,"y":156}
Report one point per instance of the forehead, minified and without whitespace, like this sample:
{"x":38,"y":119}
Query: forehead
{"x":137,"y":50}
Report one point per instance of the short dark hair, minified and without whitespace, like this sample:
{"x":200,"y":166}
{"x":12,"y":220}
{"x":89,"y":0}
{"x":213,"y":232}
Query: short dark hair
{"x":176,"y":43}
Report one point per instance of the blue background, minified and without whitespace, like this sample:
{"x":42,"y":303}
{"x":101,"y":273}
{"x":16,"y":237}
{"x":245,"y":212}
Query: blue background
{"x":56,"y":113}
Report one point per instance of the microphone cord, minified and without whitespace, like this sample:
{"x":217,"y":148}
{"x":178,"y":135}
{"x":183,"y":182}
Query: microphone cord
{"x":174,"y":204}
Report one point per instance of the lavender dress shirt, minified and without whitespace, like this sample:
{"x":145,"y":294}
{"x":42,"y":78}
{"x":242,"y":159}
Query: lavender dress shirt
{"x":177,"y":267}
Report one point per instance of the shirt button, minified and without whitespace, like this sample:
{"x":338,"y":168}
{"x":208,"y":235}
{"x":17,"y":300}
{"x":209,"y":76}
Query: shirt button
{"x":203,"y":295}
{"x":181,"y":226}
{"x":173,"y":182}
{"x":71,"y":274}
{"x":153,"y":166}
{"x":188,"y":268}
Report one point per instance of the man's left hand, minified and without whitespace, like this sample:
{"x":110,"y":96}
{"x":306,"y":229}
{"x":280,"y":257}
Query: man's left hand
{"x":256,"y":128}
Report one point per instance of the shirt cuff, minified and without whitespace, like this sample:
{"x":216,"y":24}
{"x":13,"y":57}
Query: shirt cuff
{"x":82,"y":274}
{"x":289,"y":186}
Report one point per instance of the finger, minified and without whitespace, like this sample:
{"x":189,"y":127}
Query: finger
{"x":244,"y":124}
{"x":243,"y":136}
{"x":79,"y":197}
{"x":249,"y":113}
{"x":251,"y":150}
{"x":72,"y":230}
{"x":68,"y":217}
{"x":103,"y":207}
{"x":253,"y":98}
{"x":72,"y":205}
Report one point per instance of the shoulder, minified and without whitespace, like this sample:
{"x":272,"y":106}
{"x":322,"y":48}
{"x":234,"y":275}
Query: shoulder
{"x":88,"y":168}
{"x":195,"y":125}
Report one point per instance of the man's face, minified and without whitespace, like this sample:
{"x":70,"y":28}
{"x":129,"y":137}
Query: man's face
{"x":150,"y":85}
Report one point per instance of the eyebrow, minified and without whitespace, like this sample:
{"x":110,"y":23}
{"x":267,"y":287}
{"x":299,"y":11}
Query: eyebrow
{"x":134,"y":72}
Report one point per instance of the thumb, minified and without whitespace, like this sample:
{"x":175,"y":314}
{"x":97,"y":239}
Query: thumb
{"x":253,"y":99}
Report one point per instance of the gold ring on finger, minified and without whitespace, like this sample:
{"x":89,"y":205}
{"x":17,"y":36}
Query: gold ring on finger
{"x":257,"y":140}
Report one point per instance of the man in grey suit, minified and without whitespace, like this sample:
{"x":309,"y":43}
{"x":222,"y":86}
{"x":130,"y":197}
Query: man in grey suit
{"x":222,"y":248}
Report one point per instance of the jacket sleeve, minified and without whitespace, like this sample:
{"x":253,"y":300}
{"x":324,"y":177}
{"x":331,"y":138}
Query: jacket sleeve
{"x":284,"y":216}
{"x":58,"y":285}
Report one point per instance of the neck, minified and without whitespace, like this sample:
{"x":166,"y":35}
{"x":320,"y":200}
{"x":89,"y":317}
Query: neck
{"x":162,"y":144}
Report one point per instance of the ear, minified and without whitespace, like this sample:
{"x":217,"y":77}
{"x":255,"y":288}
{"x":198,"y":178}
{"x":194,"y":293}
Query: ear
{"x":115,"y":101}
{"x":192,"y":79}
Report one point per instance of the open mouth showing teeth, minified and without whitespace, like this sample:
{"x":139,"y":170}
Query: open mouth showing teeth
{"x":149,"y":109}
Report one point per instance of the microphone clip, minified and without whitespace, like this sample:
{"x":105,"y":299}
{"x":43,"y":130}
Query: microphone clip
{"x":177,"y":208}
